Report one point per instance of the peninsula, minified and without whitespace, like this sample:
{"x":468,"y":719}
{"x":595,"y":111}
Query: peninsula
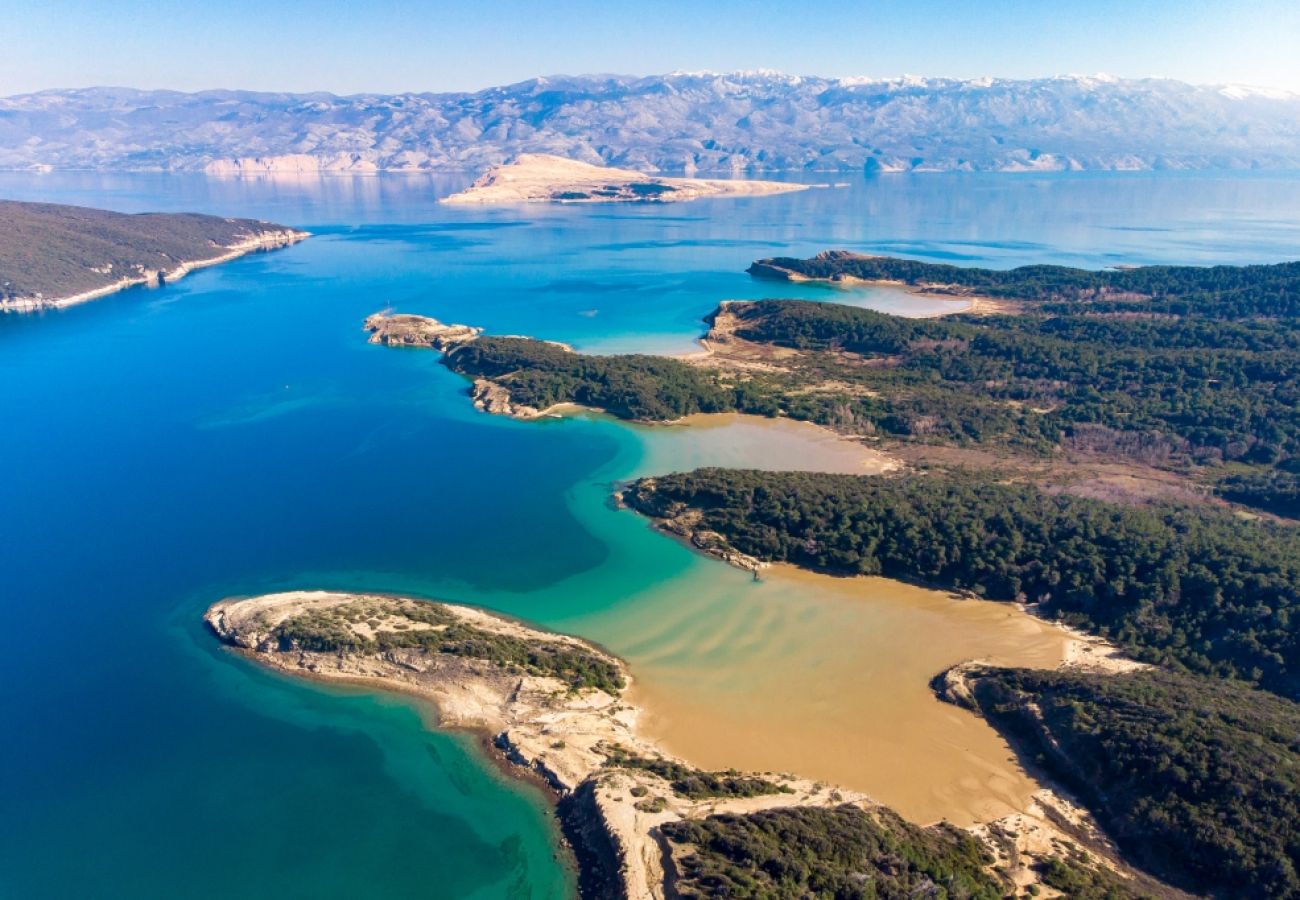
{"x":54,"y":256}
{"x":641,"y":823}
{"x":1160,"y":382}
{"x":540,"y":178}
{"x":1117,"y":450}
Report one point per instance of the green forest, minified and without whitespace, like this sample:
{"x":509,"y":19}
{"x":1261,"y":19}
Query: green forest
{"x":1161,"y":390}
{"x":1201,"y":375}
{"x":636,"y":386}
{"x":329,"y":631}
{"x":842,"y":852}
{"x":1216,"y":291}
{"x":694,"y":784}
{"x":1197,"y":780}
{"x":1195,"y":588}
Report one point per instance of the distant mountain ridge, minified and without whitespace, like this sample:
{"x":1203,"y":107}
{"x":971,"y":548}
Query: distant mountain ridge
{"x":684,"y":122}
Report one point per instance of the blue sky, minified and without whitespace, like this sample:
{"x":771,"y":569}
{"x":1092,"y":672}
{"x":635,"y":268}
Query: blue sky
{"x":349,"y":46}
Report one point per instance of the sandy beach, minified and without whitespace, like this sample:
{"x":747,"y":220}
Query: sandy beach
{"x":964,"y":299}
{"x":848,"y":709}
{"x":737,"y":440}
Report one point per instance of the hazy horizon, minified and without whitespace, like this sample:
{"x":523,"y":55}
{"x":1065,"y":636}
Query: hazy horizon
{"x":432,"y":46}
{"x":633,"y":76}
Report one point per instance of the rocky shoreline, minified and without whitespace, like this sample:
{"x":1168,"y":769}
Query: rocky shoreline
{"x":424,"y":332}
{"x":684,"y":523}
{"x":613,"y":787}
{"x":552,"y":708}
{"x":269,"y":239}
{"x":403,"y":330}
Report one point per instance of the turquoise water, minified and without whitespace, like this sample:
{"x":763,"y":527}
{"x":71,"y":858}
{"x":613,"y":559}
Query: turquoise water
{"x":234,"y":434}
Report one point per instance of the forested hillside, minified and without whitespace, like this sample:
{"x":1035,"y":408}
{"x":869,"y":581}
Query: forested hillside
{"x":49,"y":251}
{"x":1197,"y":589}
{"x":1192,"y":370}
{"x":843,"y":852}
{"x":1221,"y":292}
{"x":1191,"y":387}
{"x":1198,"y":781}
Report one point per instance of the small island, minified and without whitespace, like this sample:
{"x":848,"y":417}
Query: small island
{"x":540,"y":178}
{"x":54,"y":256}
{"x":404,"y":330}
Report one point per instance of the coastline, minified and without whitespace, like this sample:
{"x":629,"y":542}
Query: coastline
{"x":265,"y":241}
{"x":587,"y":747}
{"x":976,"y":304}
{"x":896,"y":730}
{"x":742,"y":440}
{"x":1080,"y":651}
{"x":573,"y":742}
{"x":1010,"y":804}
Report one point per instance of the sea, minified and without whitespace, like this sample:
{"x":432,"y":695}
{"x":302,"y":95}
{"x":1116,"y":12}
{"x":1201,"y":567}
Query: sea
{"x":234,"y":434}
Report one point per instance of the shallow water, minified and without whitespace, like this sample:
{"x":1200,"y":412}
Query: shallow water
{"x":740,"y":442}
{"x":829,"y":678}
{"x":799,"y":672}
{"x":233,"y":433}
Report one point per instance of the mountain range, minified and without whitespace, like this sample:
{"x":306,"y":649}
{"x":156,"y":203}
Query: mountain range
{"x":683,"y":122}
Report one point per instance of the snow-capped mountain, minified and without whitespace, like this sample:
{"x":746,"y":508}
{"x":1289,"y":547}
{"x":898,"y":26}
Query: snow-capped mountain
{"x":751,"y":122}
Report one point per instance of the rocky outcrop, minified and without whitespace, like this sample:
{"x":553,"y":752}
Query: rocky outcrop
{"x":764,"y":268}
{"x":684,"y":522}
{"x":953,"y":685}
{"x":403,"y":330}
{"x":490,"y":397}
{"x":769,"y":269}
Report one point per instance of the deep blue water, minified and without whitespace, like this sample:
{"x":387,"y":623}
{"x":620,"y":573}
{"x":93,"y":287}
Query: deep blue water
{"x":234,"y":433}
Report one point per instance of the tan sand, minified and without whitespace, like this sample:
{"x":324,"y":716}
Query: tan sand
{"x":541,"y":178}
{"x":829,"y":677}
{"x":565,"y":736}
{"x":734,"y":440}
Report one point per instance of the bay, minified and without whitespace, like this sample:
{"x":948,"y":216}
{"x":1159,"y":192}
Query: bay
{"x":233,"y":434}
